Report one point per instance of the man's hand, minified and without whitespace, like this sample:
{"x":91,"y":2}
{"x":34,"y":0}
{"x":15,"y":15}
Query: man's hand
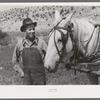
{"x":19,"y":70}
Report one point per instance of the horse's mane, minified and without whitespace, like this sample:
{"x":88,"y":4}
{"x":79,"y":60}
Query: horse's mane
{"x":83,"y":31}
{"x":82,"y":27}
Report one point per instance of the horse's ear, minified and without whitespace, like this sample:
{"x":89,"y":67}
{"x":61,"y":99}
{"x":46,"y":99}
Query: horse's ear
{"x":69,"y":17}
{"x":57,"y":17}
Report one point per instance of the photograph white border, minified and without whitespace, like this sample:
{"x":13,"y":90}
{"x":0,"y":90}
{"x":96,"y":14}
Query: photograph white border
{"x":62,"y":91}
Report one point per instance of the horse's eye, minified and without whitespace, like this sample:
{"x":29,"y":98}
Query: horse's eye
{"x":59,"y":40}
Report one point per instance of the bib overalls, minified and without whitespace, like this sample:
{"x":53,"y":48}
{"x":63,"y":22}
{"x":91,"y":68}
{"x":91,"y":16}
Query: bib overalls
{"x":33,"y":67}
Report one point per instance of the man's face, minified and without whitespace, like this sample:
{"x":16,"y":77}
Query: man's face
{"x":30,"y":31}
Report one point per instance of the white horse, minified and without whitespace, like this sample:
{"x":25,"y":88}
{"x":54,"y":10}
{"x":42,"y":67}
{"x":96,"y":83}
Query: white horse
{"x":68,"y":34}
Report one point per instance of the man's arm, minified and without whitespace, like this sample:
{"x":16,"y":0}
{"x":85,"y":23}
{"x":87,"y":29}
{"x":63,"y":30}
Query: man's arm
{"x":16,"y":54}
{"x":16,"y":60}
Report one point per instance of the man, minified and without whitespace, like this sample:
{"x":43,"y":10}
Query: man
{"x":32,"y":51}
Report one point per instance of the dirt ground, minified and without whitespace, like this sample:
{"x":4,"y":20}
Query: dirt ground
{"x":61,"y":77}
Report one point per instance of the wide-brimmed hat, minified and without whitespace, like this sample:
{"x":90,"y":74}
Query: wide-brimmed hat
{"x":27,"y":22}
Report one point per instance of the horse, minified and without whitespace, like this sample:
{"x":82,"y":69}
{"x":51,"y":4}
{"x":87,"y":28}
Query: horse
{"x":71,"y":34}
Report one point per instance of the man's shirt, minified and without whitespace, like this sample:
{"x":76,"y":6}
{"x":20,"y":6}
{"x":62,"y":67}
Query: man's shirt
{"x":37,"y":43}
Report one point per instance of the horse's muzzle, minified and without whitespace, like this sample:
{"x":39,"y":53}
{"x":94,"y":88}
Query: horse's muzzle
{"x":48,"y":69}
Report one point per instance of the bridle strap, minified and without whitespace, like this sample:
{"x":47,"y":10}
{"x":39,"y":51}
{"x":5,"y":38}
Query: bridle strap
{"x":63,"y":42}
{"x":58,"y":27}
{"x":56,"y":46}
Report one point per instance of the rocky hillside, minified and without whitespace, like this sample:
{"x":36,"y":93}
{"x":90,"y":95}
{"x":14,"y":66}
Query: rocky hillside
{"x":11,"y":20}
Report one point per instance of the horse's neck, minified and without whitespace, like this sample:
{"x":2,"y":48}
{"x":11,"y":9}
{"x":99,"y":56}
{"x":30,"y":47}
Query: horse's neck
{"x":83,"y":31}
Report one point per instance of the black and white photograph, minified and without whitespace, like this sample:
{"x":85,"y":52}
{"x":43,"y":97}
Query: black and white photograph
{"x":49,"y":44}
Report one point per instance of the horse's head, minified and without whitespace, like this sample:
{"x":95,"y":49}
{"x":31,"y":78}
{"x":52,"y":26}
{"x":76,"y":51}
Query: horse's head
{"x":58,"y":41}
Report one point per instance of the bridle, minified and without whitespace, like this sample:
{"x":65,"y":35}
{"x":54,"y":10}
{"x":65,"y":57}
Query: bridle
{"x":64,"y":37}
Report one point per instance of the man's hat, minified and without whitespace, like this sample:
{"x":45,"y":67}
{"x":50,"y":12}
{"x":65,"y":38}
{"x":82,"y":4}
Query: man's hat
{"x":27,"y":22}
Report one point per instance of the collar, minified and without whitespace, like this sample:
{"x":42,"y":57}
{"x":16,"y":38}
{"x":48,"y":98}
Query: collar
{"x":25,"y":42}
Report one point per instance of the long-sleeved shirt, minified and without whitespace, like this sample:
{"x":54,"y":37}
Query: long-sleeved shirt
{"x":38,"y":43}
